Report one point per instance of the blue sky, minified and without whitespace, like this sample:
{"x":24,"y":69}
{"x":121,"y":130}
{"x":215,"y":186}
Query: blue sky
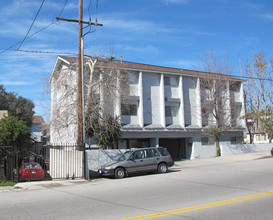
{"x":174,"y":33}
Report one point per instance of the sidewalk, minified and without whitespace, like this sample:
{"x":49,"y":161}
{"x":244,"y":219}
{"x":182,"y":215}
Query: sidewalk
{"x":34,"y":185}
{"x":222,"y":160}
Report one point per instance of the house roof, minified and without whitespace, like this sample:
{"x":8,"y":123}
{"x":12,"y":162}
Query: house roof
{"x":146,"y":67}
{"x":37,"y":119}
{"x":45,"y":126}
{"x":3,"y":113}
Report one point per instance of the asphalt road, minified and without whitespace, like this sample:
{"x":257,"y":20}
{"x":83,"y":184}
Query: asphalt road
{"x":234,"y":190}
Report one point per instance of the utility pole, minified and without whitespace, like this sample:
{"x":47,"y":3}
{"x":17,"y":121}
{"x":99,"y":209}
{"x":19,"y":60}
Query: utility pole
{"x":80,"y":89}
{"x":80,"y":140}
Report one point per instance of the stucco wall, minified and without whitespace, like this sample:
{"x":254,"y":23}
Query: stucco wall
{"x":202,"y":151}
{"x":96,"y":158}
{"x":230,"y":149}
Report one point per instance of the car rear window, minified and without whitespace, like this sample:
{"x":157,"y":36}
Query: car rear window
{"x":163,"y":151}
{"x":32,"y":166}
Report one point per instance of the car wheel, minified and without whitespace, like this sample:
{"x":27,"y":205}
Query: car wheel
{"x":162,"y":168}
{"x":119,"y":173}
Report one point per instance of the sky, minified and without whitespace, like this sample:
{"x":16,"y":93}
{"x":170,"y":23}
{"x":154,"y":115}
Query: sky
{"x":172,"y":33}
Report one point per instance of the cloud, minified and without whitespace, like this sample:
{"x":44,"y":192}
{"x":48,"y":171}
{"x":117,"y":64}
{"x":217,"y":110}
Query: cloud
{"x":177,"y":2}
{"x":266,"y":16}
{"x":184,"y":64}
{"x":16,"y":83}
{"x":251,"y":5}
{"x":147,"y":48}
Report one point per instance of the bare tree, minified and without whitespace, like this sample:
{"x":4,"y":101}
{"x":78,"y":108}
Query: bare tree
{"x":219,"y":111}
{"x":108,"y":87}
{"x":259,"y":95}
{"x":105,"y":88}
{"x":63,"y":104}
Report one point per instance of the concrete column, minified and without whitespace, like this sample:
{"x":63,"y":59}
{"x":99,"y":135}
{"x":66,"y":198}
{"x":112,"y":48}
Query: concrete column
{"x":140,"y":108}
{"x":229,"y":103}
{"x":198,"y":104}
{"x":181,"y":108}
{"x":162,"y":101}
{"x":154,"y":142}
{"x":242,"y":100}
{"x":118,"y":103}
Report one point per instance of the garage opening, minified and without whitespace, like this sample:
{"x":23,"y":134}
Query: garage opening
{"x":176,"y":147}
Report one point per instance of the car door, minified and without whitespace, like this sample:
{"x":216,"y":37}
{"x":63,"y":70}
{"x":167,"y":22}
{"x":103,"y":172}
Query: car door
{"x":151,"y":159}
{"x":136,"y":162}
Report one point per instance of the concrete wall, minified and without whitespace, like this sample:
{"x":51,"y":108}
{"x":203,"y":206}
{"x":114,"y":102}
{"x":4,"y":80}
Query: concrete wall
{"x":96,"y":158}
{"x":230,"y":149}
{"x":202,"y":151}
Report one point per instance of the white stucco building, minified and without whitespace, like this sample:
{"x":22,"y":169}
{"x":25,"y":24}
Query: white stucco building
{"x":164,"y":108}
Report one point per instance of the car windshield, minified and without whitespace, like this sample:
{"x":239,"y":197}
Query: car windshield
{"x":125,"y":156}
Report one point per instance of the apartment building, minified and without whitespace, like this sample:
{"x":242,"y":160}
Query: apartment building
{"x":164,"y":107}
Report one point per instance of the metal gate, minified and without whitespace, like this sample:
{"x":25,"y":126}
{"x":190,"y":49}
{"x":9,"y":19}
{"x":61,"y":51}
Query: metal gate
{"x":60,"y":161}
{"x":57,"y":162}
{"x":9,"y":163}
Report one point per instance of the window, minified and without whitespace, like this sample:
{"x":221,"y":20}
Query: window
{"x":170,"y":81}
{"x":163,"y":151}
{"x":205,"y":141}
{"x":167,"y":81}
{"x":128,"y":109}
{"x":260,"y":137}
{"x":133,"y":78}
{"x":171,"y":111}
{"x":235,"y":86}
{"x":236,"y":140}
{"x":138,"y":154}
{"x":152,"y":153}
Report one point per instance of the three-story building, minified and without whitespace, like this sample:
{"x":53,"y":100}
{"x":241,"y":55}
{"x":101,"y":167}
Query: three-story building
{"x":164,"y":107}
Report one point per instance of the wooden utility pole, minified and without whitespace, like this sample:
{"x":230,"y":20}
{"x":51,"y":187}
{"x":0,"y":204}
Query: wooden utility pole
{"x":80,"y":140}
{"x":80,"y":114}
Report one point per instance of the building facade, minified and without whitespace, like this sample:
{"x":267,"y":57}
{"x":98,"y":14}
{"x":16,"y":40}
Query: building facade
{"x":164,"y":108}
{"x":36,"y":128}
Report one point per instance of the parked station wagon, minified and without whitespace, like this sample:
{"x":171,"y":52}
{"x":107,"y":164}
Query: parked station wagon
{"x":139,"y":160}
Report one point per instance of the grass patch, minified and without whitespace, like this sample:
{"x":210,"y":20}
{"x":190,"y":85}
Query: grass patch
{"x":6,"y":183}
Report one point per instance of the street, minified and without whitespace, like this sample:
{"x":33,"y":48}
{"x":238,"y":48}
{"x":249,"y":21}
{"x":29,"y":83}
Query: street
{"x":234,"y":190}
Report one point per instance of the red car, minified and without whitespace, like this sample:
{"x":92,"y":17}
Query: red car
{"x":31,"y":171}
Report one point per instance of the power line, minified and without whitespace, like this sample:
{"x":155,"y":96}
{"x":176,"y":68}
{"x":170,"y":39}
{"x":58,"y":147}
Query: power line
{"x":32,"y":23}
{"x":10,"y":47}
{"x":45,"y":52}
{"x":28,"y":37}
{"x":63,"y":8}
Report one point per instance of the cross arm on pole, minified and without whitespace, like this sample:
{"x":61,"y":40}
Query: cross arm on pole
{"x":75,"y":20}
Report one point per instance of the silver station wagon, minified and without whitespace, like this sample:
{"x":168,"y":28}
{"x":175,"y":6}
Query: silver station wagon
{"x":139,"y":160}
